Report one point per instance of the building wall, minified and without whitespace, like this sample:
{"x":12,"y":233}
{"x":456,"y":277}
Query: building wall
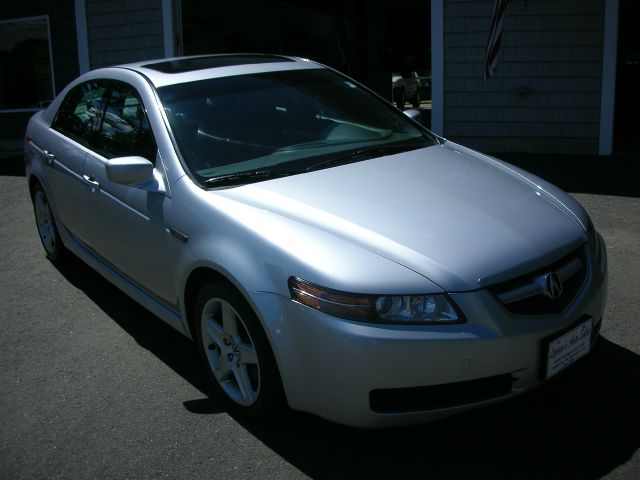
{"x":62,"y":23}
{"x":122,"y":31}
{"x":64,"y":52}
{"x":546,"y":92}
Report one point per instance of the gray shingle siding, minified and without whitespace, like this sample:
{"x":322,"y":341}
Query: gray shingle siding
{"x":124,"y":31}
{"x":545,"y":95}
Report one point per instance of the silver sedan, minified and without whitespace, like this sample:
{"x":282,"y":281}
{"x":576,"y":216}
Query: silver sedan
{"x":322,"y":249}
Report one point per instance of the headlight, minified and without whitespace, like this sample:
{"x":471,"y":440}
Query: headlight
{"x":416,"y":308}
{"x":397,"y":309}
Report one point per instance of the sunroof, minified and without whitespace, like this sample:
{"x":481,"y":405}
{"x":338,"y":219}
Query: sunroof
{"x":213,"y":61}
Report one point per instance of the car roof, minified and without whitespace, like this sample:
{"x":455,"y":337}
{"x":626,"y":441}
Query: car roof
{"x":169,"y":71}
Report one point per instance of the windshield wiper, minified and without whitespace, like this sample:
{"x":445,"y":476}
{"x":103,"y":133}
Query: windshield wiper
{"x":246,"y":177}
{"x":365,"y":153}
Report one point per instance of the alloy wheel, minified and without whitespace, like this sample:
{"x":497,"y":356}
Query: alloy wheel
{"x":230,"y":351}
{"x":45,"y":222}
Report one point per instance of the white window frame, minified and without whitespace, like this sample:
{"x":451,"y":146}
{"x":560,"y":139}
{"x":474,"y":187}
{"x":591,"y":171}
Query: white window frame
{"x":53,"y":78}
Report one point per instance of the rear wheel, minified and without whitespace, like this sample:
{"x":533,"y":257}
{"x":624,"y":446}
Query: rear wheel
{"x":47,"y":229}
{"x":416,"y":99}
{"x":236,"y":352}
{"x":400,"y":100}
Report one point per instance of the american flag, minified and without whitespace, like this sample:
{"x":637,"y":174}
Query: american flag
{"x":495,"y":39}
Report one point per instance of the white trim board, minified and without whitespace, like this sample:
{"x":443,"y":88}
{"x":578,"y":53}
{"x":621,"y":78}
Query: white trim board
{"x":437,"y":66}
{"x":168,"y":29}
{"x":82,"y":36}
{"x":609,"y":65}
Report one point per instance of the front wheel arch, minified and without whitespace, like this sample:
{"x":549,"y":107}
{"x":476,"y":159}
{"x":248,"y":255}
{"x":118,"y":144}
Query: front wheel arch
{"x":33,"y":181}
{"x":270,"y":398}
{"x":197,"y":278}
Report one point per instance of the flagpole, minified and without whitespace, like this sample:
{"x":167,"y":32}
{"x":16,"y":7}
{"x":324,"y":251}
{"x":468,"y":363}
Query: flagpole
{"x":494,"y":42}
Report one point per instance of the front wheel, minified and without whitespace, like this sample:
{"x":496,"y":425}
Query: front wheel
{"x":236,"y":352}
{"x":46,"y":223}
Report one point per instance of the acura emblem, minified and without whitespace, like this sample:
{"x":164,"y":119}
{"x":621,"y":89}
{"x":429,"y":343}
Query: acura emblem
{"x":552,"y":285}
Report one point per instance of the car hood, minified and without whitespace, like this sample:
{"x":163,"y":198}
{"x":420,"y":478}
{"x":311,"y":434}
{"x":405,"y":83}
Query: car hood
{"x":450,"y":214}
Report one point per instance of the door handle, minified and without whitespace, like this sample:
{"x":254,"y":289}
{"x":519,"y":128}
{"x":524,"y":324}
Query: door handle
{"x":91,"y":180}
{"x":48,"y":156}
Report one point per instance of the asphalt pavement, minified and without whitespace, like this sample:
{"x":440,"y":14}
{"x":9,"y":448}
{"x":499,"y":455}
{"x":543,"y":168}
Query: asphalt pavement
{"x":94,"y":386}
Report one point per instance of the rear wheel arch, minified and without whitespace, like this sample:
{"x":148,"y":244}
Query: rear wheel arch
{"x":36,"y":181}
{"x":33,"y":181}
{"x":46,"y":222}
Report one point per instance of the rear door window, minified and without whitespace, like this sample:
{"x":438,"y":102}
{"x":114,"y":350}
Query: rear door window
{"x":125,"y":129}
{"x":81,"y":113}
{"x":108,"y":117}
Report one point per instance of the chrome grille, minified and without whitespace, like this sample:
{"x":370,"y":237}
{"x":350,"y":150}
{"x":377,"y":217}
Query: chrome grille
{"x":526,"y":295}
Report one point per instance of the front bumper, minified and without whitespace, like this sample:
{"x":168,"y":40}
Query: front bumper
{"x":336,"y":368}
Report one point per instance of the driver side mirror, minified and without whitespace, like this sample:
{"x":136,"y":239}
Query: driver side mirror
{"x":136,"y":172}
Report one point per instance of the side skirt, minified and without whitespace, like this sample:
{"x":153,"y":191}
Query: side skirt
{"x":169,"y":314}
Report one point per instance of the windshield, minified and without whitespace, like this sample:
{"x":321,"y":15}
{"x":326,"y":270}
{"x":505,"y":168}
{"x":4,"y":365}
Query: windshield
{"x":284,"y":122}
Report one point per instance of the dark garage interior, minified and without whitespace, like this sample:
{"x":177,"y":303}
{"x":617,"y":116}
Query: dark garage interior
{"x":364,"y":40}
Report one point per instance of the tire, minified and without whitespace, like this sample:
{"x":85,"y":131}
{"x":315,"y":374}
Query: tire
{"x":400,"y":100}
{"x":236,"y":353}
{"x":416,"y":99}
{"x":46,"y":224}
